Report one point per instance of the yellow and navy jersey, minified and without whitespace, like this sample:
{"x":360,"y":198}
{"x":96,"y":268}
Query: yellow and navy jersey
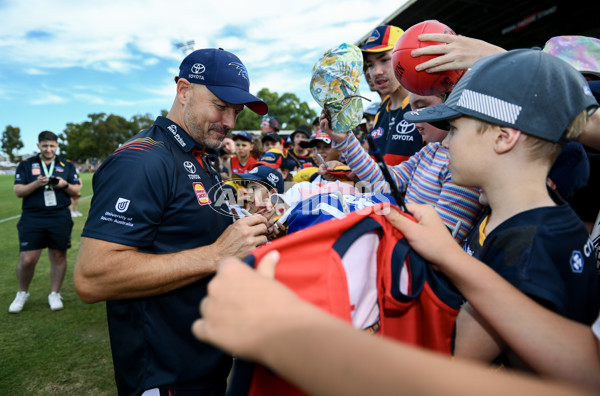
{"x":302,"y":161}
{"x":396,"y":138}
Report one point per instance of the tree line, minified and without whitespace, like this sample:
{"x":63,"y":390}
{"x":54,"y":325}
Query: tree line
{"x":99,"y":135}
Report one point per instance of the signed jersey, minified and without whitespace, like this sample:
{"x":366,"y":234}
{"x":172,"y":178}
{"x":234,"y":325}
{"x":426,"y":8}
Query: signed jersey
{"x":363,"y":271}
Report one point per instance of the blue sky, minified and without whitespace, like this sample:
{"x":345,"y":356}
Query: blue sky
{"x":64,"y":59}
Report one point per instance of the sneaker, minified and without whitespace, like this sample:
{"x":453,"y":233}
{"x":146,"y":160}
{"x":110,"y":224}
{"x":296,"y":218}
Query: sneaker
{"x":78,"y":214}
{"x":19,"y":302}
{"x":73,"y":214}
{"x":55,"y":301}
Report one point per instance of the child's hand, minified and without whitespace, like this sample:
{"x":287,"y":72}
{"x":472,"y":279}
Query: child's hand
{"x":324,"y":170}
{"x":325,"y":127}
{"x":455,"y":52}
{"x":428,"y":236}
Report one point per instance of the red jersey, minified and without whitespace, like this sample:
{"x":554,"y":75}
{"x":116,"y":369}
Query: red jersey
{"x":410,"y":303}
{"x":238,"y":168}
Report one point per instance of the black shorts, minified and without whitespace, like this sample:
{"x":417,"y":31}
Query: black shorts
{"x":37,"y":234}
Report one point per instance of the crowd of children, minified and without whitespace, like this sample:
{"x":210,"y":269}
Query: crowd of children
{"x":494,"y":165}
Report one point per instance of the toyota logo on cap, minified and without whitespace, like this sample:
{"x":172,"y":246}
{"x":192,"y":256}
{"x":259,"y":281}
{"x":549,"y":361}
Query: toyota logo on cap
{"x":198,"y":68}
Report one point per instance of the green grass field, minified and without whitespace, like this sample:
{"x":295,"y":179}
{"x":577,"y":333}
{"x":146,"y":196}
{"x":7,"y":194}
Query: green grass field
{"x":44,"y":352}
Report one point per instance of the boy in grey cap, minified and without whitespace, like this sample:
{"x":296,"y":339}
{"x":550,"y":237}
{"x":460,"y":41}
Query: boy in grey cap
{"x":506,"y":130}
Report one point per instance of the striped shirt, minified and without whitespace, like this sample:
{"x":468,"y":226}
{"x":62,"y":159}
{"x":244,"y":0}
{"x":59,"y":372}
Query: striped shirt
{"x":424,"y":179}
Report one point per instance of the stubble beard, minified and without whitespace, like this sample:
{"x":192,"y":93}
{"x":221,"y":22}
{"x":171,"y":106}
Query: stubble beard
{"x":203,"y":137}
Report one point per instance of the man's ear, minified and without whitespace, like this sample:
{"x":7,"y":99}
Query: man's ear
{"x":184,"y":89}
{"x":506,"y":138}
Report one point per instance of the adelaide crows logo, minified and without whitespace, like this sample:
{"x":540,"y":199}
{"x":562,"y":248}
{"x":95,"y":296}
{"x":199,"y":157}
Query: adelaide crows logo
{"x":374,"y":36}
{"x":242,"y":69}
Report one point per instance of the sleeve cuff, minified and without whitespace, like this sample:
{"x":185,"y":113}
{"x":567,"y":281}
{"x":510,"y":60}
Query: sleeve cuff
{"x":341,"y":146}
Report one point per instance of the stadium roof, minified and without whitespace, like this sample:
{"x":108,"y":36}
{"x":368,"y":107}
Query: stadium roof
{"x":509,"y":24}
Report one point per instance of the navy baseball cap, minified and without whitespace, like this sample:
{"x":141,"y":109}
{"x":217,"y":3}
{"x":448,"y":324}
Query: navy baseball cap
{"x":517,"y":89}
{"x":223,"y":74}
{"x":272,"y":136}
{"x":243,"y":135}
{"x":265,"y":174}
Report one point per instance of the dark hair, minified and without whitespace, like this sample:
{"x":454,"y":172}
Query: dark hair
{"x":47,"y":135}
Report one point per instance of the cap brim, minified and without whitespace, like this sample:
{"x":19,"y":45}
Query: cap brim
{"x":235,"y":95}
{"x":252,"y":177}
{"x":246,"y":176}
{"x":378,"y":48}
{"x":340,"y":170}
{"x":432,"y":114}
{"x":313,"y":142}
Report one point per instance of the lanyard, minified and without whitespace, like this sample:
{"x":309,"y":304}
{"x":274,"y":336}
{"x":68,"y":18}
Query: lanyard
{"x":47,"y":172}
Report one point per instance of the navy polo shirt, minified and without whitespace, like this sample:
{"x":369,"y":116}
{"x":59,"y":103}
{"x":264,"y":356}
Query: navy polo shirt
{"x":152,"y":193}
{"x":547,"y":254}
{"x":33,"y":204}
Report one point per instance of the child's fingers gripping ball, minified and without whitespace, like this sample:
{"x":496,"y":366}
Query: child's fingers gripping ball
{"x":421,"y":83}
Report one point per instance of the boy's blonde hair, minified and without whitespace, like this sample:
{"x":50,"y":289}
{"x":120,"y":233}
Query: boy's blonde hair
{"x":541,"y":148}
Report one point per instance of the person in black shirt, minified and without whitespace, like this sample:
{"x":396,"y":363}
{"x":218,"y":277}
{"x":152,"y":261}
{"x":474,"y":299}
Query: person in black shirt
{"x":46,"y":182}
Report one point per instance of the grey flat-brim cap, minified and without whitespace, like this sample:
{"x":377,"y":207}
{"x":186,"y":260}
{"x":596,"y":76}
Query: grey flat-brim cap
{"x":525,"y":89}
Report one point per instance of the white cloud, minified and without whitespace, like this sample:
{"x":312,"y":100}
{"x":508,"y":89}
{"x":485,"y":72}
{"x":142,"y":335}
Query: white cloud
{"x":34,"y":71}
{"x":103,"y":35}
{"x":99,"y":89}
{"x":150,"y":61}
{"x":278,"y":41}
{"x":47,"y":99}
